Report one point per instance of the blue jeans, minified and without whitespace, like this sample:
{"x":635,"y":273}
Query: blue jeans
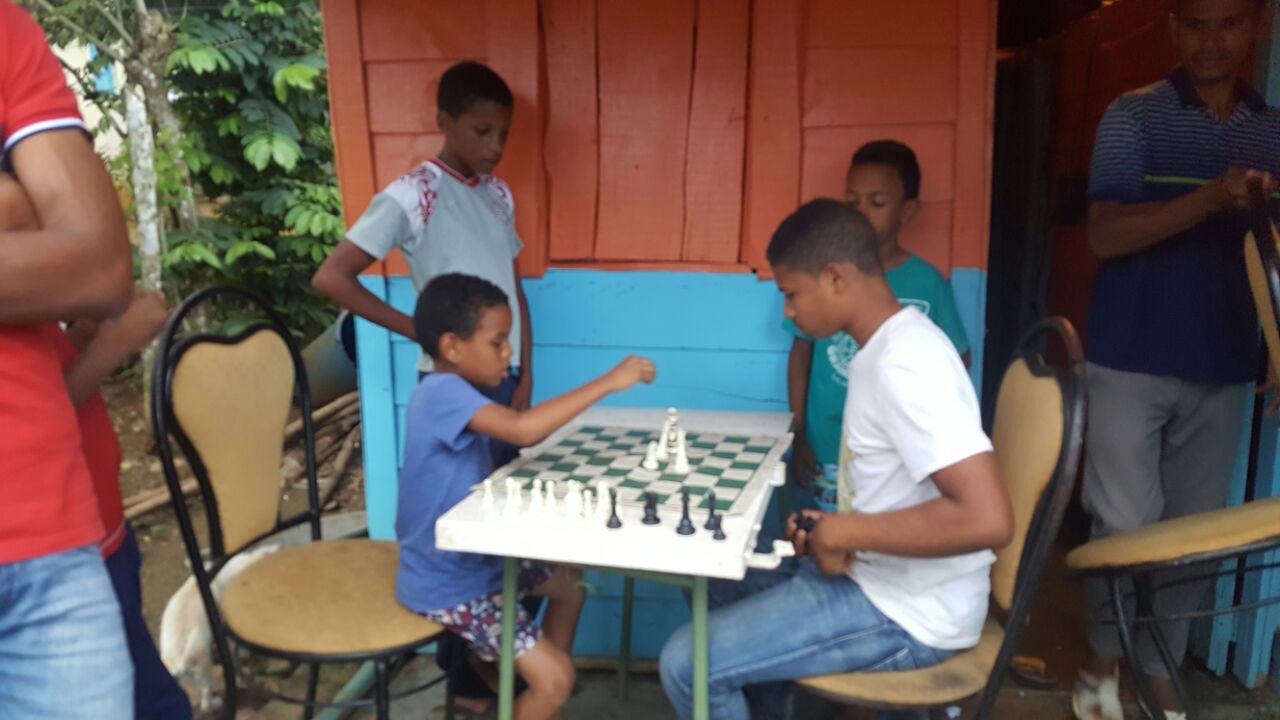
{"x":62,"y":646}
{"x":774,"y":627}
{"x":156,"y":695}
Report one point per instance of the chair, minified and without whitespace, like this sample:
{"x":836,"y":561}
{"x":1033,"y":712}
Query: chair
{"x":1038,"y":431}
{"x":1204,"y":539}
{"x":224,"y":400}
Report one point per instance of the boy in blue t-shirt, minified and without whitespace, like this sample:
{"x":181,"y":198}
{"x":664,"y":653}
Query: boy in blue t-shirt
{"x":464,"y":323}
{"x":883,"y":183}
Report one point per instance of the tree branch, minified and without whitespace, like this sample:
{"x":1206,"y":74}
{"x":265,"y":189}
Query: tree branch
{"x":89,"y":92}
{"x":51,"y":14}
{"x":116,"y":21}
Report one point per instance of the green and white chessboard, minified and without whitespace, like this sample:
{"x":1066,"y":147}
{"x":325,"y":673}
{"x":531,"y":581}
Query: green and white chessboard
{"x":731,"y":465}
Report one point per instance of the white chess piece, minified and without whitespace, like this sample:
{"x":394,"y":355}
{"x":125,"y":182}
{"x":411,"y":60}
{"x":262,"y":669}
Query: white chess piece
{"x":512,"y":506}
{"x":488,"y":494}
{"x":550,"y":505}
{"x":602,"y":500}
{"x":651,"y":457}
{"x":573,"y":499}
{"x":680,"y":465}
{"x":588,"y":511}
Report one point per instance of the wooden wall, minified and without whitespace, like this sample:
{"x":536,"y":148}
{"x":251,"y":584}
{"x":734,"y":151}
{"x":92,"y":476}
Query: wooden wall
{"x":676,"y":134}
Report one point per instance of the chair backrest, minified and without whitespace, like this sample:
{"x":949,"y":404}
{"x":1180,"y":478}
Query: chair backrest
{"x":1262,"y":263}
{"x":1037,"y":435}
{"x":225,"y":400}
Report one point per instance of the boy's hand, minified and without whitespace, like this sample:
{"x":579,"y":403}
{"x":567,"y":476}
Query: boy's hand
{"x":800,"y":526}
{"x":16,"y":210}
{"x":137,"y":327}
{"x":805,"y":531}
{"x":631,"y":371}
{"x":804,"y":465}
{"x":1235,"y":184}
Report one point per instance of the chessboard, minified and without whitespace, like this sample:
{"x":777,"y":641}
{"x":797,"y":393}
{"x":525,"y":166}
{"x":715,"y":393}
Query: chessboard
{"x":729,"y":465}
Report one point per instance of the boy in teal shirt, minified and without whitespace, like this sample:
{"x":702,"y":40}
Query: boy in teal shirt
{"x":884,"y":184}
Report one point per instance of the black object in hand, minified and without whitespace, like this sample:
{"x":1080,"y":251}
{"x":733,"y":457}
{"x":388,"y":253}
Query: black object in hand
{"x":804,"y":522}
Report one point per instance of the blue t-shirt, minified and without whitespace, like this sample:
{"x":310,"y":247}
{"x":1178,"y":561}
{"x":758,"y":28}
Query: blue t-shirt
{"x":442,"y":461}
{"x":1181,"y":307}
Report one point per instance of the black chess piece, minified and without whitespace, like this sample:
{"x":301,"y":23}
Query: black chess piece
{"x":719,"y":532}
{"x":686,"y":525}
{"x":614,"y":521}
{"x":651,"y":509}
{"x":712,"y":518}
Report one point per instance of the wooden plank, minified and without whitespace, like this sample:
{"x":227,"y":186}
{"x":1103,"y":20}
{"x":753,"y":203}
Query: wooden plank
{"x":420,"y":29}
{"x":902,"y":23}
{"x":891,"y":85}
{"x":828,"y":152}
{"x":717,"y":133}
{"x":396,"y":154}
{"x":572,"y":147}
{"x":975,"y":128}
{"x":377,"y":415}
{"x":773,"y":125}
{"x":645,"y":70}
{"x":511,"y":30}
{"x":402,"y":95}
{"x":348,"y":106}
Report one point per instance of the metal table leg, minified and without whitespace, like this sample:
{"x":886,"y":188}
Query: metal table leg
{"x":701,"y":707}
{"x":624,"y":662}
{"x":507,"y":664}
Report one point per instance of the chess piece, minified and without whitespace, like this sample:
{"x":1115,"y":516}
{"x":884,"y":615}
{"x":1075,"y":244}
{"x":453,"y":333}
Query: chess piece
{"x":587,"y":510}
{"x":651,"y":457}
{"x":650,"y":509}
{"x":718,"y":534}
{"x":712,"y":522}
{"x":686,"y":526}
{"x":603,"y":489}
{"x":514,"y":501}
{"x":573,"y":499}
{"x":680,"y":466}
{"x":550,"y":502}
{"x":488,"y":494}
{"x":614,"y":521}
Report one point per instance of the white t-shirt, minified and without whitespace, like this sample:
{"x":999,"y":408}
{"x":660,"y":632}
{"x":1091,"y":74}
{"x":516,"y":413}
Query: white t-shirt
{"x":914,"y":412}
{"x":444,"y":223}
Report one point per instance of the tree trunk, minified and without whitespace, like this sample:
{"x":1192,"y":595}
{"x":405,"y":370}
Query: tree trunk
{"x":142,"y":155}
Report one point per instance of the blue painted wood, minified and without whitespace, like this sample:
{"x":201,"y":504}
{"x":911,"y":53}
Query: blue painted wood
{"x":969,"y":285}
{"x":379,"y":434}
{"x":1256,"y":629}
{"x":718,"y":344}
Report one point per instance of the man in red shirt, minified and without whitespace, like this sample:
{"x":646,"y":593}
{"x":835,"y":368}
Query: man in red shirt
{"x":62,"y":646}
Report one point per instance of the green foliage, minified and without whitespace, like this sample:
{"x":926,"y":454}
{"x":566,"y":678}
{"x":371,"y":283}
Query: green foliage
{"x":251,"y":90}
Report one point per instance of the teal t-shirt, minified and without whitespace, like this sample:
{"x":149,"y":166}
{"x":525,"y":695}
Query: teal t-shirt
{"x":916,"y":283}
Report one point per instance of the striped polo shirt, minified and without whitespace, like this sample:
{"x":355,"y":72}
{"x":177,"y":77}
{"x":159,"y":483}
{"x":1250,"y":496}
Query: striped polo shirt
{"x":1181,"y":307}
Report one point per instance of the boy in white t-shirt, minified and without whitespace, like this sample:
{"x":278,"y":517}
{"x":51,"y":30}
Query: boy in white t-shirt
{"x":898,"y":579}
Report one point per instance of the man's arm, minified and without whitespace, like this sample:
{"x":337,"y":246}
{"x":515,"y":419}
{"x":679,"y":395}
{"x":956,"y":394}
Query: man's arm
{"x":79,"y":264}
{"x":337,"y":278}
{"x":972,"y":514}
{"x":523,"y":398}
{"x":113,"y":341}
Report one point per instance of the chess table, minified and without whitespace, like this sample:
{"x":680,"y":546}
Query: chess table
{"x":750,"y":443}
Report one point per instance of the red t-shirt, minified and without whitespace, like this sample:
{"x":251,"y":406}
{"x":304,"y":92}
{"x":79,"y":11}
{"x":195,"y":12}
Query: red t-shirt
{"x":101,"y":451}
{"x":47,"y":503}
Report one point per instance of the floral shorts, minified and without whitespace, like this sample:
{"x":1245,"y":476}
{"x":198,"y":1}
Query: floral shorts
{"x":479,"y":621}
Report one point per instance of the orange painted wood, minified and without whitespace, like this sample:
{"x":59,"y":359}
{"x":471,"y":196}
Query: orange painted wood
{"x":773,"y":126}
{"x":975,"y":128}
{"x":645,"y":70}
{"x":572,"y":145}
{"x":828,"y":152}
{"x":511,"y":30}
{"x":899,"y":23}
{"x":421,"y":29}
{"x":402,"y":95}
{"x":395,"y":154}
{"x":929,"y":235}
{"x":878,"y":86}
{"x":714,"y":167}
{"x":641,"y":266}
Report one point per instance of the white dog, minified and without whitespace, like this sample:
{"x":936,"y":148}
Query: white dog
{"x":186,"y":642}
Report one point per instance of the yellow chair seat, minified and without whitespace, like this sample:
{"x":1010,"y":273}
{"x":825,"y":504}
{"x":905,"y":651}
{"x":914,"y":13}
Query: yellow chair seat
{"x":324,"y":598}
{"x":960,"y":677}
{"x":1185,"y":537}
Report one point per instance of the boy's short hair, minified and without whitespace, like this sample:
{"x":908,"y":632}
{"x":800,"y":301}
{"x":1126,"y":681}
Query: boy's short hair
{"x":453,"y":303}
{"x":823,"y":232}
{"x":467,"y":83}
{"x":896,"y":155}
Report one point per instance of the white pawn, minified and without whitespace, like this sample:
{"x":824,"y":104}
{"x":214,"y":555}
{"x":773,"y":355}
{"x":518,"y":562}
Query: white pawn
{"x":550,"y":505}
{"x":488,"y":494}
{"x":681,"y":464}
{"x":512,"y":506}
{"x":587,"y":510}
{"x":651,"y":457}
{"x":602,"y":500}
{"x":573,"y":499}
{"x":535,"y":496}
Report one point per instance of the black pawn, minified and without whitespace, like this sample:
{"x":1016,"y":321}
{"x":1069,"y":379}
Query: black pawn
{"x":712,"y":521}
{"x":719,"y":533}
{"x":614,"y":521}
{"x":686,"y":525}
{"x":650,"y":509}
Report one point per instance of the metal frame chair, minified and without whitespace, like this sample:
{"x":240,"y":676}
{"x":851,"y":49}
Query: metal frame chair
{"x":1037,"y":435}
{"x":1204,"y":539}
{"x":224,"y":400}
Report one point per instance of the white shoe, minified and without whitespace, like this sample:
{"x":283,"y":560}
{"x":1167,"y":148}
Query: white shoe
{"x":1174,"y":715}
{"x":1098,"y":698}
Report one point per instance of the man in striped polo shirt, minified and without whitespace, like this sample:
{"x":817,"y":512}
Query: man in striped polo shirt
{"x":1173,"y":336}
